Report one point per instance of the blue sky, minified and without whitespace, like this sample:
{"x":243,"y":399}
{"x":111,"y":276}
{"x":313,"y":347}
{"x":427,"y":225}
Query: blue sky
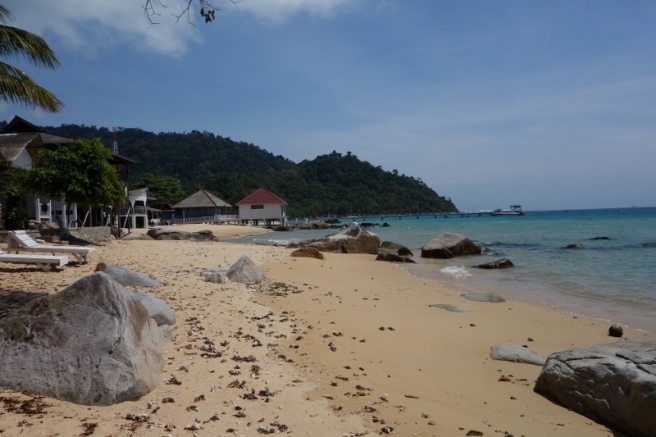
{"x":549,"y":104}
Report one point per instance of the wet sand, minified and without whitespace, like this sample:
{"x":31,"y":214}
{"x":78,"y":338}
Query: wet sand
{"x":343,"y":346}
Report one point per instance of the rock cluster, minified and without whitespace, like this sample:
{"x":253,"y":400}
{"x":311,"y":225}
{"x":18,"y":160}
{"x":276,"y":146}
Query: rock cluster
{"x":351,"y":239}
{"x":178,"y":234}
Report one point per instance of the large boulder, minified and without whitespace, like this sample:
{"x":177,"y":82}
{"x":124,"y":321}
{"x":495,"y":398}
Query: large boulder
{"x":449,"y":245}
{"x":178,"y":234}
{"x":130,"y":278}
{"x":157,"y":309}
{"x":613,"y":384}
{"x":245,"y":271}
{"x":93,"y":343}
{"x":351,"y":239}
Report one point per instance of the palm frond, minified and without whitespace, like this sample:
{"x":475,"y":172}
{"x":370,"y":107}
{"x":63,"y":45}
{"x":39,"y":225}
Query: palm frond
{"x":18,"y":87}
{"x":19,"y":43}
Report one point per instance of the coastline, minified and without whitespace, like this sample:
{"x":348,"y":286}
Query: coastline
{"x":440,"y":359}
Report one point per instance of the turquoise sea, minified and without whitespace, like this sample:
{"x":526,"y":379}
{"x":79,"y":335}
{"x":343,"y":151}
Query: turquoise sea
{"x":612,"y":279}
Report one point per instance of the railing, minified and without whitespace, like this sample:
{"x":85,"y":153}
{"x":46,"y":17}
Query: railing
{"x":206,"y":219}
{"x":137,"y":210}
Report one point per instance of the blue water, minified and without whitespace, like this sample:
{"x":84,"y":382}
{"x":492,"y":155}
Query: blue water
{"x":612,"y":279}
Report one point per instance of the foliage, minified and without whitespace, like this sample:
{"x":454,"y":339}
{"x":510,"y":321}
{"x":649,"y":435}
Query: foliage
{"x":329,"y":184}
{"x":15,"y":85}
{"x":165,"y":189}
{"x":16,"y":215}
{"x":79,"y":172}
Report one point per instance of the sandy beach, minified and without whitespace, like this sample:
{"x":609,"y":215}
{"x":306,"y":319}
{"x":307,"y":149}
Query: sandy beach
{"x":340,"y":347}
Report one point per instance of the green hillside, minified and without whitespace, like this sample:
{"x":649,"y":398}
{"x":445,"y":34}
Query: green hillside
{"x":329,"y":184}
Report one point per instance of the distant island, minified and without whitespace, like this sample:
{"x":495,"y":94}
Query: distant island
{"x":332,"y":184}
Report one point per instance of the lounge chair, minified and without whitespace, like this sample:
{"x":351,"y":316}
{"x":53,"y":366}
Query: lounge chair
{"x":43,"y":261}
{"x":20,"y":241}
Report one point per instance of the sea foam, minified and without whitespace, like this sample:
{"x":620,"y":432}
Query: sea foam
{"x":456,"y":271}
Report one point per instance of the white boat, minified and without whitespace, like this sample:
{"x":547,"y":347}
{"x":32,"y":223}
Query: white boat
{"x":512,"y":210}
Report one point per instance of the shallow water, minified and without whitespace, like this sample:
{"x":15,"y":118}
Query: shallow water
{"x":612,"y":279}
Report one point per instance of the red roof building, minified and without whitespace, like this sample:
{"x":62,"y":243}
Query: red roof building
{"x":262,"y":207}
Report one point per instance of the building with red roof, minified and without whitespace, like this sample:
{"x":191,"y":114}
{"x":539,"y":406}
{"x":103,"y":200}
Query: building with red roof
{"x":262,"y":207}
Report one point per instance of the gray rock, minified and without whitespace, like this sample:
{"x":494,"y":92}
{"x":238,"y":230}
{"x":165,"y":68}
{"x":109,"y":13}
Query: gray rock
{"x":614,"y":384}
{"x":130,"y":278}
{"x":449,"y":245}
{"x":245,"y":271}
{"x":136,"y":236}
{"x":351,"y":239}
{"x":396,"y":248}
{"x":392,"y":257}
{"x":484,"y":297}
{"x":93,"y":343}
{"x":157,"y":309}
{"x":516,"y":354}
{"x":178,"y":234}
{"x":215,"y":278}
{"x":450,"y":307}
{"x":503,"y":263}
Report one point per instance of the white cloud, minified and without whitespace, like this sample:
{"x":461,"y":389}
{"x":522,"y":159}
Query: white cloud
{"x":89,"y":26}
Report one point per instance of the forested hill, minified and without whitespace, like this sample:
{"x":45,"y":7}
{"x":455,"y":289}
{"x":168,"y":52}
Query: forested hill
{"x":329,"y":184}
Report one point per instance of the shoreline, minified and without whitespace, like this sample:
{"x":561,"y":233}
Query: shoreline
{"x":440,"y":359}
{"x":603,"y":311}
{"x":432,"y":368}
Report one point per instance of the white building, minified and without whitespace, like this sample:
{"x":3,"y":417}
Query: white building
{"x":262,"y":206}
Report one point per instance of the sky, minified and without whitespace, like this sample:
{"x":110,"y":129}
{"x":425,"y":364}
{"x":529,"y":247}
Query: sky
{"x":547,"y":104}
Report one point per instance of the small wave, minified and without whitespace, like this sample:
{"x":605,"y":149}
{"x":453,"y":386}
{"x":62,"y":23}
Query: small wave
{"x":456,"y":271}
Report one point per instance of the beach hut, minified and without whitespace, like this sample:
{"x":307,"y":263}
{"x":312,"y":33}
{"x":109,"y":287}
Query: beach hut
{"x":263,"y":207}
{"x":201,"y":204}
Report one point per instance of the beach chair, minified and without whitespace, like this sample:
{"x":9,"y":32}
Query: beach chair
{"x":43,"y":261}
{"x":19,"y":241}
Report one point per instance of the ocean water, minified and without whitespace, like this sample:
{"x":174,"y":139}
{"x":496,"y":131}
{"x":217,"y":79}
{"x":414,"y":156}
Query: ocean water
{"x":611,"y":279}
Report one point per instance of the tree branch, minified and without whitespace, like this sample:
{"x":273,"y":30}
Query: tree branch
{"x":152,"y":9}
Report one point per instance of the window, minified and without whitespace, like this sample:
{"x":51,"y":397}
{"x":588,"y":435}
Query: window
{"x":257,"y":206}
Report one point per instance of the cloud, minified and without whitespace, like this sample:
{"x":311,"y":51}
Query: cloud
{"x":89,"y":27}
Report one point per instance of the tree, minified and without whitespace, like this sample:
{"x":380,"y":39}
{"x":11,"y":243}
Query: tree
{"x":15,"y":85}
{"x":79,"y":172}
{"x":165,"y":189}
{"x":207,"y":9}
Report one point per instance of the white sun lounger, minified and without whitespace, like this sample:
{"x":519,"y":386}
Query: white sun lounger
{"x":20,"y":241}
{"x":43,"y":261}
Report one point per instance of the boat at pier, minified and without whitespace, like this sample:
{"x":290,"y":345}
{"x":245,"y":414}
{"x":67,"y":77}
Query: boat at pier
{"x":512,"y":210}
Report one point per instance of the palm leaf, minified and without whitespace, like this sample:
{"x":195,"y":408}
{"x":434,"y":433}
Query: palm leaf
{"x":18,"y":87}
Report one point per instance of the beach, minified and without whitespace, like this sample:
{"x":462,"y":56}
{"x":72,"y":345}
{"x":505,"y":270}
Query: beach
{"x":343,"y":346}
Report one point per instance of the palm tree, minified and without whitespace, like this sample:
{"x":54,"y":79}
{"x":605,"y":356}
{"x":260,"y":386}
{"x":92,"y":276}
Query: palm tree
{"x":16,"y":86}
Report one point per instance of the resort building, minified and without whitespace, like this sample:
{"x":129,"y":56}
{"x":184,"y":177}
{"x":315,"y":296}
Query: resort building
{"x":136,"y":213}
{"x":200,"y":206}
{"x":20,"y":142}
{"x":262,"y":207}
